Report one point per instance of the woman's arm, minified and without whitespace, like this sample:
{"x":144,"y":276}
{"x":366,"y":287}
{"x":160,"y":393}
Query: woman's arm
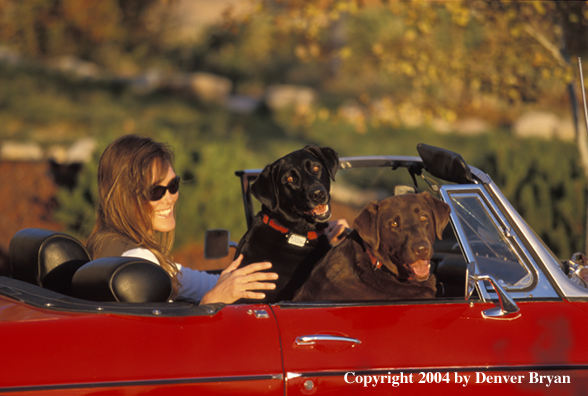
{"x":235,"y":283}
{"x":194,"y":284}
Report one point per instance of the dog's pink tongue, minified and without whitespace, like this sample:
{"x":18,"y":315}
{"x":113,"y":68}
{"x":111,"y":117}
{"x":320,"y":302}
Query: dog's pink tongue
{"x":421,"y":269}
{"x":320,"y":210}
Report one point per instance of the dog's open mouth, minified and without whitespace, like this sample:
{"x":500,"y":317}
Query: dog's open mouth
{"x":420,"y":270}
{"x":321,"y":212}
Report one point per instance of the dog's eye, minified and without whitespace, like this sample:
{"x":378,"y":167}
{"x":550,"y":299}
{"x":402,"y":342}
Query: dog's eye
{"x":316,"y":168}
{"x":394,"y":224}
{"x":290,"y":179}
{"x":424,"y":218}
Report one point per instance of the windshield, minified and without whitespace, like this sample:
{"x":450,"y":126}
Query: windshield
{"x":493,"y":252}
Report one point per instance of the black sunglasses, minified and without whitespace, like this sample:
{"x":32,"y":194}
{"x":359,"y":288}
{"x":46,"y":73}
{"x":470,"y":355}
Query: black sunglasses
{"x":157,"y":192}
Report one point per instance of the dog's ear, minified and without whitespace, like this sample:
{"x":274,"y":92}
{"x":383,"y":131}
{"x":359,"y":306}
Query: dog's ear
{"x":366,"y":225}
{"x":328,"y":157}
{"x":441,"y":213}
{"x":265,"y":188}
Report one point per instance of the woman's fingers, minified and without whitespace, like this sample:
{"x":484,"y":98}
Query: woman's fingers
{"x":255,"y":267}
{"x":257,"y":276}
{"x":236,"y":283}
{"x":253,"y":295}
{"x":234,"y":265}
{"x":335,"y":230}
{"x":257,"y":281}
{"x":260,"y":286}
{"x":248,"y":269}
{"x":249,"y":293}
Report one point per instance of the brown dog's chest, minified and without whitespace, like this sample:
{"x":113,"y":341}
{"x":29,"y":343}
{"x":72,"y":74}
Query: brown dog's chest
{"x":348,"y":273}
{"x":385,"y":285}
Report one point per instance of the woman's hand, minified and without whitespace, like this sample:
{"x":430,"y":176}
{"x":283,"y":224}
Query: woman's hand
{"x":584,"y":274}
{"x":236,"y":283}
{"x":336,"y":230}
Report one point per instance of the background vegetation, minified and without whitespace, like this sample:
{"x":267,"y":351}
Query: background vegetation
{"x":384,"y":73}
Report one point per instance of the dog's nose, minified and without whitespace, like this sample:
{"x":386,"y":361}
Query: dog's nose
{"x":422,"y":251}
{"x":318,"y":195}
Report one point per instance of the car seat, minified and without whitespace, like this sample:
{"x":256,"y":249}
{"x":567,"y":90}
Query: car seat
{"x":59,"y":262}
{"x":122,"y":279}
{"x":46,"y":258}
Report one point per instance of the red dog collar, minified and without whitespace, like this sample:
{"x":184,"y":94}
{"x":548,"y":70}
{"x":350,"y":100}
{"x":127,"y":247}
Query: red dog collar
{"x":375,"y":262}
{"x":273,"y":224}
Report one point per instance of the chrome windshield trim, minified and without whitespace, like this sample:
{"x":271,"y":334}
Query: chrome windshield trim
{"x":564,"y":285}
{"x":542,"y":287}
{"x":375,"y":161}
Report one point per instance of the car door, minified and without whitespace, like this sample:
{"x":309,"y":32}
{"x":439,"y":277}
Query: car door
{"x":447,"y":344}
{"x":374,"y":349}
{"x":234,"y":350}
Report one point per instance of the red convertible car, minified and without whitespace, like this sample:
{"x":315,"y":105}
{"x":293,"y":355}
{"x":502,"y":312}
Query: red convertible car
{"x":509,"y":317}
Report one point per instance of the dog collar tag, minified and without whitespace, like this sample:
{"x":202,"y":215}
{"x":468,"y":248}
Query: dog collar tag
{"x":297,"y":240}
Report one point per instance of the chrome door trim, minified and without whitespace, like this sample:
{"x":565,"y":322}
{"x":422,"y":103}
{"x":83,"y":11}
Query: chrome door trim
{"x":314,"y":338}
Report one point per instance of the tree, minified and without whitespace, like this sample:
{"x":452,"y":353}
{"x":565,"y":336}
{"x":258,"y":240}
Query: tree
{"x":99,"y":31}
{"x":413,"y":62}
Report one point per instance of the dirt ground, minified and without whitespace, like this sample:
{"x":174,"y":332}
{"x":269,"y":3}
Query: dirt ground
{"x":28,"y":195}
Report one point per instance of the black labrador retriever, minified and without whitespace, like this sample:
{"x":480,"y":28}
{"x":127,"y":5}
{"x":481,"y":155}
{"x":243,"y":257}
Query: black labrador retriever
{"x":387,"y":256}
{"x":288,"y":231}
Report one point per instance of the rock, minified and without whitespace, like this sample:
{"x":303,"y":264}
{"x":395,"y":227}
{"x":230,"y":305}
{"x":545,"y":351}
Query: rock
{"x":567,"y":131}
{"x":81,"y":151}
{"x":355,"y":197}
{"x":20,"y":151}
{"x":75,"y":66}
{"x":410,"y":115}
{"x":242,"y":104}
{"x":145,"y":83}
{"x":471,"y":126}
{"x":352,"y":112}
{"x":537,"y":124}
{"x":210,"y":88}
{"x":283,"y":96}
{"x":9,"y":56}
{"x":57,"y":153}
{"x":442,"y":126}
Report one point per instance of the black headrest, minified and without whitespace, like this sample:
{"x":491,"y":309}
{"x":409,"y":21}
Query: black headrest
{"x":46,"y":258}
{"x":445,"y":164}
{"x":122,"y":279}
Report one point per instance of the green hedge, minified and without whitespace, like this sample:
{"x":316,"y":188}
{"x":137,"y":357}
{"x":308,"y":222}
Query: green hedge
{"x":542,"y":179}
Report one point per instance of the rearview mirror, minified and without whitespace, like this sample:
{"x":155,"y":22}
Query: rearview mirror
{"x":217,"y":244}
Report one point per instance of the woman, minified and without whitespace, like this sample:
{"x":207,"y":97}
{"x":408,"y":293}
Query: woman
{"x":138,"y":190}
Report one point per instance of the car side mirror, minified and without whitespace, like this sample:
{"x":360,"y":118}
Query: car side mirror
{"x":507,"y":309}
{"x":470,"y":285}
{"x":217,"y":244}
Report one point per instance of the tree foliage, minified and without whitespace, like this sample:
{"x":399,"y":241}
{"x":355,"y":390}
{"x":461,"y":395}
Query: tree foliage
{"x":380,"y":68}
{"x":429,"y":59}
{"x":93,"y":30}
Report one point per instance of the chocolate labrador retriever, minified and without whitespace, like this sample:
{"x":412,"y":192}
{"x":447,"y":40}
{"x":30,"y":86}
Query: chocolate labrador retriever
{"x":295,"y":195}
{"x":386,"y":257}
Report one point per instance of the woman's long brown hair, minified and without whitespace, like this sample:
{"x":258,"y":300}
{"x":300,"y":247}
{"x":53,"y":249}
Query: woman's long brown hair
{"x":125,"y":176}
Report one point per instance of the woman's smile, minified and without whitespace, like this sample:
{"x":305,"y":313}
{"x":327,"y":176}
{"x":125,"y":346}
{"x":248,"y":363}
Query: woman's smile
{"x":164,"y":213}
{"x":163,"y":209}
